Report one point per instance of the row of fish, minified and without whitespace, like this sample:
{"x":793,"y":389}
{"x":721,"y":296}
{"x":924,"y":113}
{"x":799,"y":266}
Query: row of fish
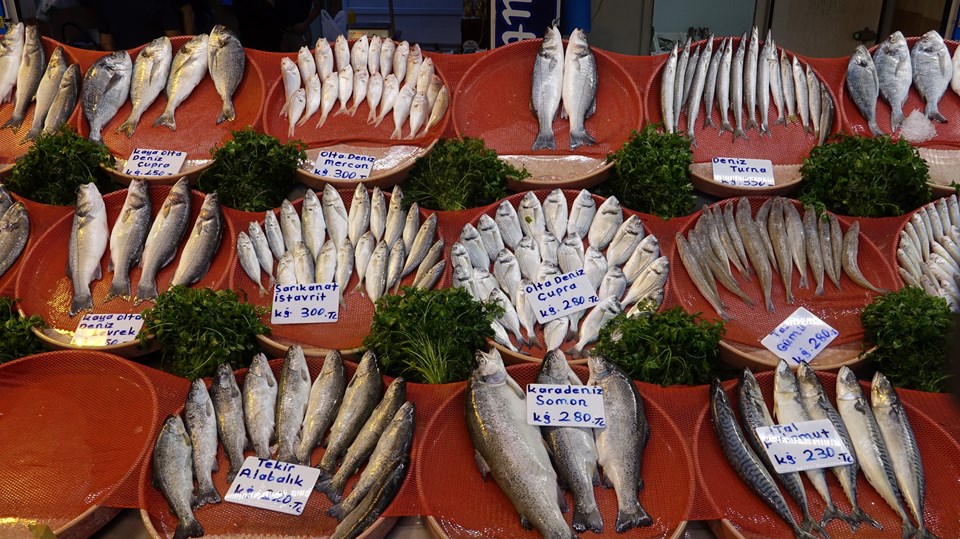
{"x":114,"y":77}
{"x":26,"y":76}
{"x":365,"y":430}
{"x":379,"y":240}
{"x":538,"y":241}
{"x":728,"y":235}
{"x":397,"y":77}
{"x":742,"y":81}
{"x":928,"y":252}
{"x":569,"y":78}
{"x":877,"y":434}
{"x":14,"y":230}
{"x":518,"y":455}
{"x":893,"y":68}
{"x":135,"y":239}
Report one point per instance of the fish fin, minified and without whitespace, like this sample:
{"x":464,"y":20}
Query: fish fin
{"x":575,"y":351}
{"x":830,"y":512}
{"x":81,"y":302}
{"x":861,"y":516}
{"x":579,"y":138}
{"x":31,"y":135}
{"x":342,"y":110}
{"x":326,"y":486}
{"x":481,"y":464}
{"x":533,"y":341}
{"x":379,"y":119}
{"x":228,"y":113}
{"x":596,"y":477}
{"x":232,"y":473}
{"x":167,"y":120}
{"x":396,"y":134}
{"x":739,"y":133}
{"x":907,"y":530}
{"x":372,"y":116}
{"x":263,"y":291}
{"x":924,"y":533}
{"x":210,"y":496}
{"x":896,"y":119}
{"x":803,"y":281}
{"x":562,"y":112}
{"x":145,"y":291}
{"x":629,"y":520}
{"x":544,"y":141}
{"x":935,"y":115}
{"x":118,"y":289}
{"x":587,"y":520}
{"x":512,"y":384}
{"x":323,"y":119}
{"x":283,"y":109}
{"x":562,"y":500}
{"x":14,"y":122}
{"x":781,"y":120}
{"x":708,"y":122}
{"x":337,"y":511}
{"x":525,"y":522}
{"x":188,"y":528}
{"x":127,"y":128}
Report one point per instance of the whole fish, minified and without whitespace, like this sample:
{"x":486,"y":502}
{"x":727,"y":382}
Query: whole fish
{"x":439,"y":108}
{"x":602,"y":313}
{"x":531,"y":216}
{"x":150,"y":73}
{"x":329,"y":93}
{"x":190,"y":65}
{"x":781,"y":247}
{"x":814,"y":247}
{"x":425,"y":76}
{"x":376,"y":276}
{"x":128,"y":236}
{"x":418,"y":114}
{"x":547,"y":87}
{"x":625,"y":241}
{"x":594,"y":265}
{"x":303,"y":263}
{"x":582,"y":213}
{"x":696,"y":272}
{"x":668,"y":78}
{"x":313,"y":95}
{"x":872,"y":452}
{"x":894,"y":75}
{"x":360,"y":80}
{"x":932,"y":71}
{"x":401,"y":109}
{"x":260,"y":405}
{"x":325,"y":266}
{"x":374,"y":93}
{"x":509,"y":223}
{"x":795,"y":237}
{"x":358,"y":218}
{"x":298,"y":103}
{"x":422,"y":243}
{"x":391,"y":89}
{"x":88,"y":241}
{"x":470,"y":239}
{"x":387,"y":48}
{"x":867,"y":79}
{"x":398,"y":256}
{"x":509,"y":448}
{"x":323,"y":57}
{"x":710,"y":90}
{"x":744,"y":461}
{"x":326,"y":394}
{"x":506,"y":269}
{"x":200,"y":421}
{"x":366,"y":441}
{"x":335,"y":215}
{"x":527,"y":316}
{"x":345,"y":88}
{"x":286,"y":274}
{"x":306,"y":64}
{"x":750,"y":77}
{"x":864,"y":87}
{"x":11,"y":54}
{"x":776,"y":82}
{"x":362,"y":253}
{"x":359,"y":400}
{"x":819,"y":407}
{"x":341,"y":52}
{"x":620,"y":445}
{"x":683,"y":63}
{"x":814,"y":98}
{"x":736,"y":88}
{"x":528,"y":258}
{"x":556,"y":213}
{"x":579,"y":92}
{"x":292,"y":399}
{"x":831,"y":264}
{"x":274,"y":234}
{"x":65,"y":100}
{"x":489,"y":235}
{"x":29,"y":74}
{"x":228,"y":405}
{"x":414,"y":60}
{"x":696,"y":89}
{"x":789,"y":91}
{"x":105,"y":88}
{"x":373,"y":55}
{"x":724,"y":86}
{"x":851,"y":245}
{"x":226,"y":62}
{"x":428,"y":279}
{"x":548,"y":248}
{"x":359,"y":52}
{"x":173,"y":475}
{"x":646,"y":252}
{"x":605,"y":224}
{"x":378,"y":213}
{"x":756,"y":252}
{"x":202,"y":243}
{"x":688,"y":78}
{"x":433,"y":256}
{"x":290,"y":76}
{"x":345,"y":254}
{"x":313,"y":226}
{"x":290,"y":225}
{"x":14,"y":232}
{"x":380,"y":496}
{"x":763,"y":83}
{"x":614,"y":283}
{"x":509,"y":320}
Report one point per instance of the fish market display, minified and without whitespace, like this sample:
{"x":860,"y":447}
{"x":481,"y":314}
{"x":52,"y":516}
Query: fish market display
{"x":728,"y":236}
{"x":927,"y":250}
{"x":360,"y":73}
{"x":743,"y":78}
{"x":231,"y":413}
{"x":105,"y":88}
{"x":503,"y":256}
{"x":352,"y":246}
{"x":128,"y":236}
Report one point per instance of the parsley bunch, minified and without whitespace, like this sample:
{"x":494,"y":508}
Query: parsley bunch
{"x":253,"y":171}
{"x":865,"y":177}
{"x":59,"y":163}
{"x":667,"y":348}
{"x":200,"y":328}
{"x":910,"y":329}
{"x":430,"y":336}
{"x":16,"y":339}
{"x":458,"y":174}
{"x":651,"y":173}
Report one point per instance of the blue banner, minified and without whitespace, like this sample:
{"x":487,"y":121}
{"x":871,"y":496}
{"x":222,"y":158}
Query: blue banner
{"x":513,"y":20}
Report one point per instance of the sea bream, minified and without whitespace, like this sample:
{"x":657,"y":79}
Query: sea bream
{"x":864,"y":86}
{"x":14,"y":233}
{"x":547,"y":87}
{"x":579,"y":92}
{"x":894,"y":74}
{"x":932,"y":71}
{"x":188,"y":69}
{"x":105,"y":89}
{"x":226,"y":64}
{"x":88,"y":241}
{"x":150,"y":72}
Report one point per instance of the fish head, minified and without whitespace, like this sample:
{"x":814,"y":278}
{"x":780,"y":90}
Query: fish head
{"x":556,"y":370}
{"x":552,"y":41}
{"x":220,"y":36}
{"x":848,"y":387}
{"x":196,"y":45}
{"x":718,"y":395}
{"x":497,"y":296}
{"x":332,"y":363}
{"x":457,"y":249}
{"x":549,"y":239}
{"x":174,"y":428}
{"x":311,"y":203}
{"x":575,"y":241}
{"x":784,"y":379}
{"x":260,"y":367}
{"x":599,"y":366}
{"x":404,"y":414}
{"x":436,"y":84}
{"x":210,"y":209}
{"x":303,"y":55}
{"x":340,"y":42}
{"x":611,"y":306}
{"x":294,"y":358}
{"x":527,"y":243}
{"x":88,"y":199}
{"x":861,"y":57}
{"x":486,"y":223}
{"x":137,"y":194}
{"x":15,"y":34}
{"x":895,"y":45}
{"x":489,"y":367}
{"x":323,"y":46}
{"x":397,"y":387}
{"x":330,"y":195}
{"x":361,"y":74}
{"x":287,"y":211}
{"x":614,"y":273}
{"x":224,"y":378}
{"x":882,"y":392}
{"x":807,"y":379}
{"x":32,"y":37}
{"x":660,"y":265}
{"x":930,"y":42}
{"x":198,"y":391}
{"x":577,"y":45}
{"x":288,"y":67}
{"x":360,"y":193}
{"x":585,"y":199}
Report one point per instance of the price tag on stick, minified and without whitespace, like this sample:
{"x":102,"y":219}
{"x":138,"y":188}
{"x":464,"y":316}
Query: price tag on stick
{"x":801,"y":337}
{"x":738,"y":172}
{"x":559,"y":405}
{"x":561,"y":295}
{"x":806,"y":445}
{"x":273,"y":485}
{"x":343,"y":166}
{"x":106,"y":329}
{"x":148,"y":162}
{"x":317,"y":303}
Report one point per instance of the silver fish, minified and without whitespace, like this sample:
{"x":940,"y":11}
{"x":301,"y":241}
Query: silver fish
{"x":387,"y":48}
{"x":419,"y":112}
{"x":414,"y":59}
{"x":789,"y":92}
{"x":326,"y":394}
{"x":226,"y":63}
{"x":150,"y":73}
{"x":335,"y":215}
{"x":570,"y":254}
{"x":14,"y":233}
{"x":894,"y":75}
{"x":422,"y":243}
{"x":696,"y":89}
{"x":826,"y":247}
{"x":509,"y":319}
{"x":373,"y":55}
{"x":201,"y":244}
{"x":625,"y":241}
{"x":579,"y":92}
{"x":547,"y":87}
{"x":750,"y":77}
{"x":555,"y":213}
{"x":313,"y":227}
{"x":776,"y":82}
{"x":401,"y":109}
{"x":290,"y":225}
{"x":313,"y":95}
{"x":411,"y":226}
{"x":425,"y":76}
{"x":864,"y":86}
{"x":290,"y":76}
{"x":602,"y":313}
{"x":582,"y":213}
{"x":303,"y":263}
{"x":528,"y":258}
{"x":756,"y":252}
{"x":668,"y":78}
{"x":345,"y":253}
{"x":646,"y":252}
{"x":378,"y":213}
{"x":814,"y":247}
{"x":341,"y":52}
{"x":527,"y":316}
{"x":802,"y":91}
{"x":490,"y":236}
{"x":606,"y":223}
{"x":430,"y":260}
{"x":228,"y":405}
{"x":723,"y":86}
{"x":286,"y":274}
{"x":683,"y":63}
{"x":614,"y":283}
{"x":173,"y":474}
{"x":361,"y":79}
{"x":688,"y":79}
{"x":696,"y":275}
{"x":814,"y":97}
{"x":932,"y":71}
{"x":532,"y":219}
{"x":29,"y":74}
{"x":274,"y":234}
{"x":470,"y":239}
{"x":429,"y":278}
{"x":851,"y":242}
{"x":329,"y":93}
{"x":359,"y":52}
{"x":398,"y":256}
{"x":105,"y":88}
{"x":736,"y":88}
{"x":297,"y":104}
{"x":344,"y":88}
{"x":200,"y":421}
{"x":11,"y":54}
{"x":594,"y":265}
{"x":439,"y":108}
{"x":374,"y":94}
{"x":292,"y":400}
{"x":506,"y":269}
{"x":376,"y":276}
{"x":306,"y":64}
{"x":391,"y":89}
{"x":358,"y":218}
{"x":483,"y":283}
{"x":710,"y":89}
{"x":509,"y":223}
{"x":796,"y":239}
{"x":781,"y":247}
{"x":65,"y":100}
{"x":359,"y":400}
{"x":260,"y":405}
{"x":128,"y":236}
{"x":188,"y":69}
{"x":651,"y":280}
{"x":88,"y":241}
{"x":396,"y":217}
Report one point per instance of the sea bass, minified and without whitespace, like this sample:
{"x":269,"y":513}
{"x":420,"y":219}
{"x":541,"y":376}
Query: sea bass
{"x":164,"y":237}
{"x":547,"y":87}
{"x":88,"y":241}
{"x":202,"y":243}
{"x":128,"y":237}
{"x":32,"y":65}
{"x":579,"y":91}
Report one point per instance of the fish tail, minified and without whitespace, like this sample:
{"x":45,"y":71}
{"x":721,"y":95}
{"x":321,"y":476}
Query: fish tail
{"x":146,"y":290}
{"x":331,"y":490}
{"x":323,"y":119}
{"x":907,"y":530}
{"x":228,"y":113}
{"x":81,"y":302}
{"x":303,"y":120}
{"x":533,"y":341}
{"x":872,"y":124}
{"x":739,"y":133}
{"x":544,"y":141}
{"x":627,"y":520}
{"x":14,"y":122}
{"x":127,"y":128}
{"x":752,"y":123}
{"x":708,"y":121}
{"x":932,"y":113}
{"x":587,"y":520}
{"x":32,"y":134}
{"x":725,"y":126}
{"x":188,"y":528}
{"x":896,"y":119}
{"x":396,"y":133}
{"x":120,"y":287}
{"x":782,"y":120}
{"x":576,"y":351}
{"x":209,"y":495}
{"x":803,"y":280}
{"x":924,"y":533}
{"x":290,"y":130}
{"x":819,"y":290}
{"x":372,"y":116}
{"x":263,"y":291}
{"x":792,"y":118}
{"x":831,"y":513}
{"x":167,"y":120}
{"x":342,"y":110}
{"x":579,"y":137}
{"x":337,"y":511}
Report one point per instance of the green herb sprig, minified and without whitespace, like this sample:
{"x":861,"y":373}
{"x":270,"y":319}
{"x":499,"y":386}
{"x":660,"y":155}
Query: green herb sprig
{"x":651,"y":173}
{"x":865,"y":177}
{"x":430,"y":336}
{"x":200,"y":328}
{"x":253,"y":171}
{"x":16,"y":339}
{"x":667,"y":348}
{"x":57,"y":164}
{"x":910,"y":330}
{"x":459,"y":174}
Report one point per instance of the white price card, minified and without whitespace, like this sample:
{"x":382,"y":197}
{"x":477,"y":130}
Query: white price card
{"x":737,"y":172}
{"x":106,"y":329}
{"x":561,"y":295}
{"x":147,"y":162}
{"x":274,"y":485}
{"x":343,"y":165}
{"x":316,"y":303}
{"x":558,"y":405}
{"x":805,"y":445}
{"x":800,"y":337}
